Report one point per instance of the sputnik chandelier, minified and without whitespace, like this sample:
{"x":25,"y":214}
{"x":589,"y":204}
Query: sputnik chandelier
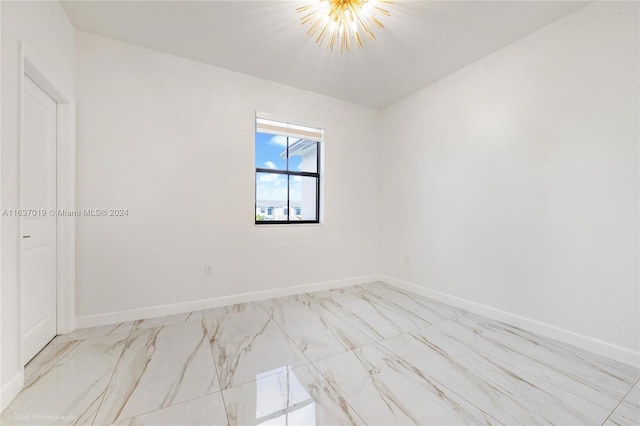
{"x":342,"y":21}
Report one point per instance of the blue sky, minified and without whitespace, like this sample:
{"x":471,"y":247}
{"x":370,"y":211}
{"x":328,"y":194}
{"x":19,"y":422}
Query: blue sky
{"x":268,"y":150}
{"x":273,"y":186}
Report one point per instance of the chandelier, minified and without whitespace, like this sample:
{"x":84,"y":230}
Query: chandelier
{"x":342,"y":22}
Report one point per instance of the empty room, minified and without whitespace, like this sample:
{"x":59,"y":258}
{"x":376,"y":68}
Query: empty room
{"x":320,"y":212}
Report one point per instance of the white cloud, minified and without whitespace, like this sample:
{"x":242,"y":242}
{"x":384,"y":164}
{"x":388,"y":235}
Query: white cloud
{"x":270,"y":164}
{"x":279,"y":140}
{"x":269,"y":193}
{"x":271,"y":187}
{"x":273,"y":179}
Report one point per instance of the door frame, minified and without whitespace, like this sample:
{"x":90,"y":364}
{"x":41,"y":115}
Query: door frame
{"x":30,"y":66}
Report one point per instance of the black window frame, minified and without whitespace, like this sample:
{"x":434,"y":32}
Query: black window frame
{"x":289,"y":174}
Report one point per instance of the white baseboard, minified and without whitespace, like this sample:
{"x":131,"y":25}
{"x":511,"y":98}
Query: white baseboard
{"x":195,"y":305}
{"x":607,"y":349}
{"x":11,"y":389}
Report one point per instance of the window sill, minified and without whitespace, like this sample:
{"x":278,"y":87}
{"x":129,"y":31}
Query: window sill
{"x":286,"y":225}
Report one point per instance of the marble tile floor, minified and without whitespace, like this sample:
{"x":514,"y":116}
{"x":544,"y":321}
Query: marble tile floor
{"x":368,"y":354}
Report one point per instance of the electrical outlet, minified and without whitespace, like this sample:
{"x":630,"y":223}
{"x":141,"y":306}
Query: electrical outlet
{"x":208,"y":270}
{"x":406,"y":261}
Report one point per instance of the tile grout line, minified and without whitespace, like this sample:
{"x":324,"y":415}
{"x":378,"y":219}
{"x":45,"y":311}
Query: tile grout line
{"x":190,"y":399}
{"x":288,"y":337}
{"x":303,"y":353}
{"x":313,"y":363}
{"x":337,"y":391}
{"x":253,"y":380}
{"x":347,"y":350}
{"x":620,"y":403}
{"x":444,"y":386}
{"x":163,"y":408}
{"x":519,"y":369}
{"x":113,"y":372}
{"x":314,"y":366}
{"x":377,"y":343}
{"x":215,"y":366}
{"x":557,"y":351}
{"x":286,"y":334}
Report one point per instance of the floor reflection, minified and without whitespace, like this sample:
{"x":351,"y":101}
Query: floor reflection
{"x":282,"y":400}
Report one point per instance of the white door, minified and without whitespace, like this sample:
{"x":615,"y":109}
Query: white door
{"x":38,"y":226}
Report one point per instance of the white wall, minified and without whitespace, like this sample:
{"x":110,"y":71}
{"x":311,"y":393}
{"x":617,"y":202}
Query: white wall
{"x":172,"y":141}
{"x":44,"y":27}
{"x":513,"y":183}
{"x":3,"y":390}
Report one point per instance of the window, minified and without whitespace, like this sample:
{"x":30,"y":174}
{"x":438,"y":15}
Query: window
{"x":287,"y":172}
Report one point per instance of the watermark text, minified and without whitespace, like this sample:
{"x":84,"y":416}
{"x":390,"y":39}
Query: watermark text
{"x":65,"y":212}
{"x":44,"y":417}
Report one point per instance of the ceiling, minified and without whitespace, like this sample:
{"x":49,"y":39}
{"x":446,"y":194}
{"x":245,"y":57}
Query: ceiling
{"x":422,"y":42}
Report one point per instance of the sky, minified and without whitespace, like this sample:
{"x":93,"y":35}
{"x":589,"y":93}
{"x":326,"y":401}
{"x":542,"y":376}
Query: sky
{"x":273,"y":186}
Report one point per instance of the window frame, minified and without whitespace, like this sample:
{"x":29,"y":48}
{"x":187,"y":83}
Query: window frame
{"x":289,"y":174}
